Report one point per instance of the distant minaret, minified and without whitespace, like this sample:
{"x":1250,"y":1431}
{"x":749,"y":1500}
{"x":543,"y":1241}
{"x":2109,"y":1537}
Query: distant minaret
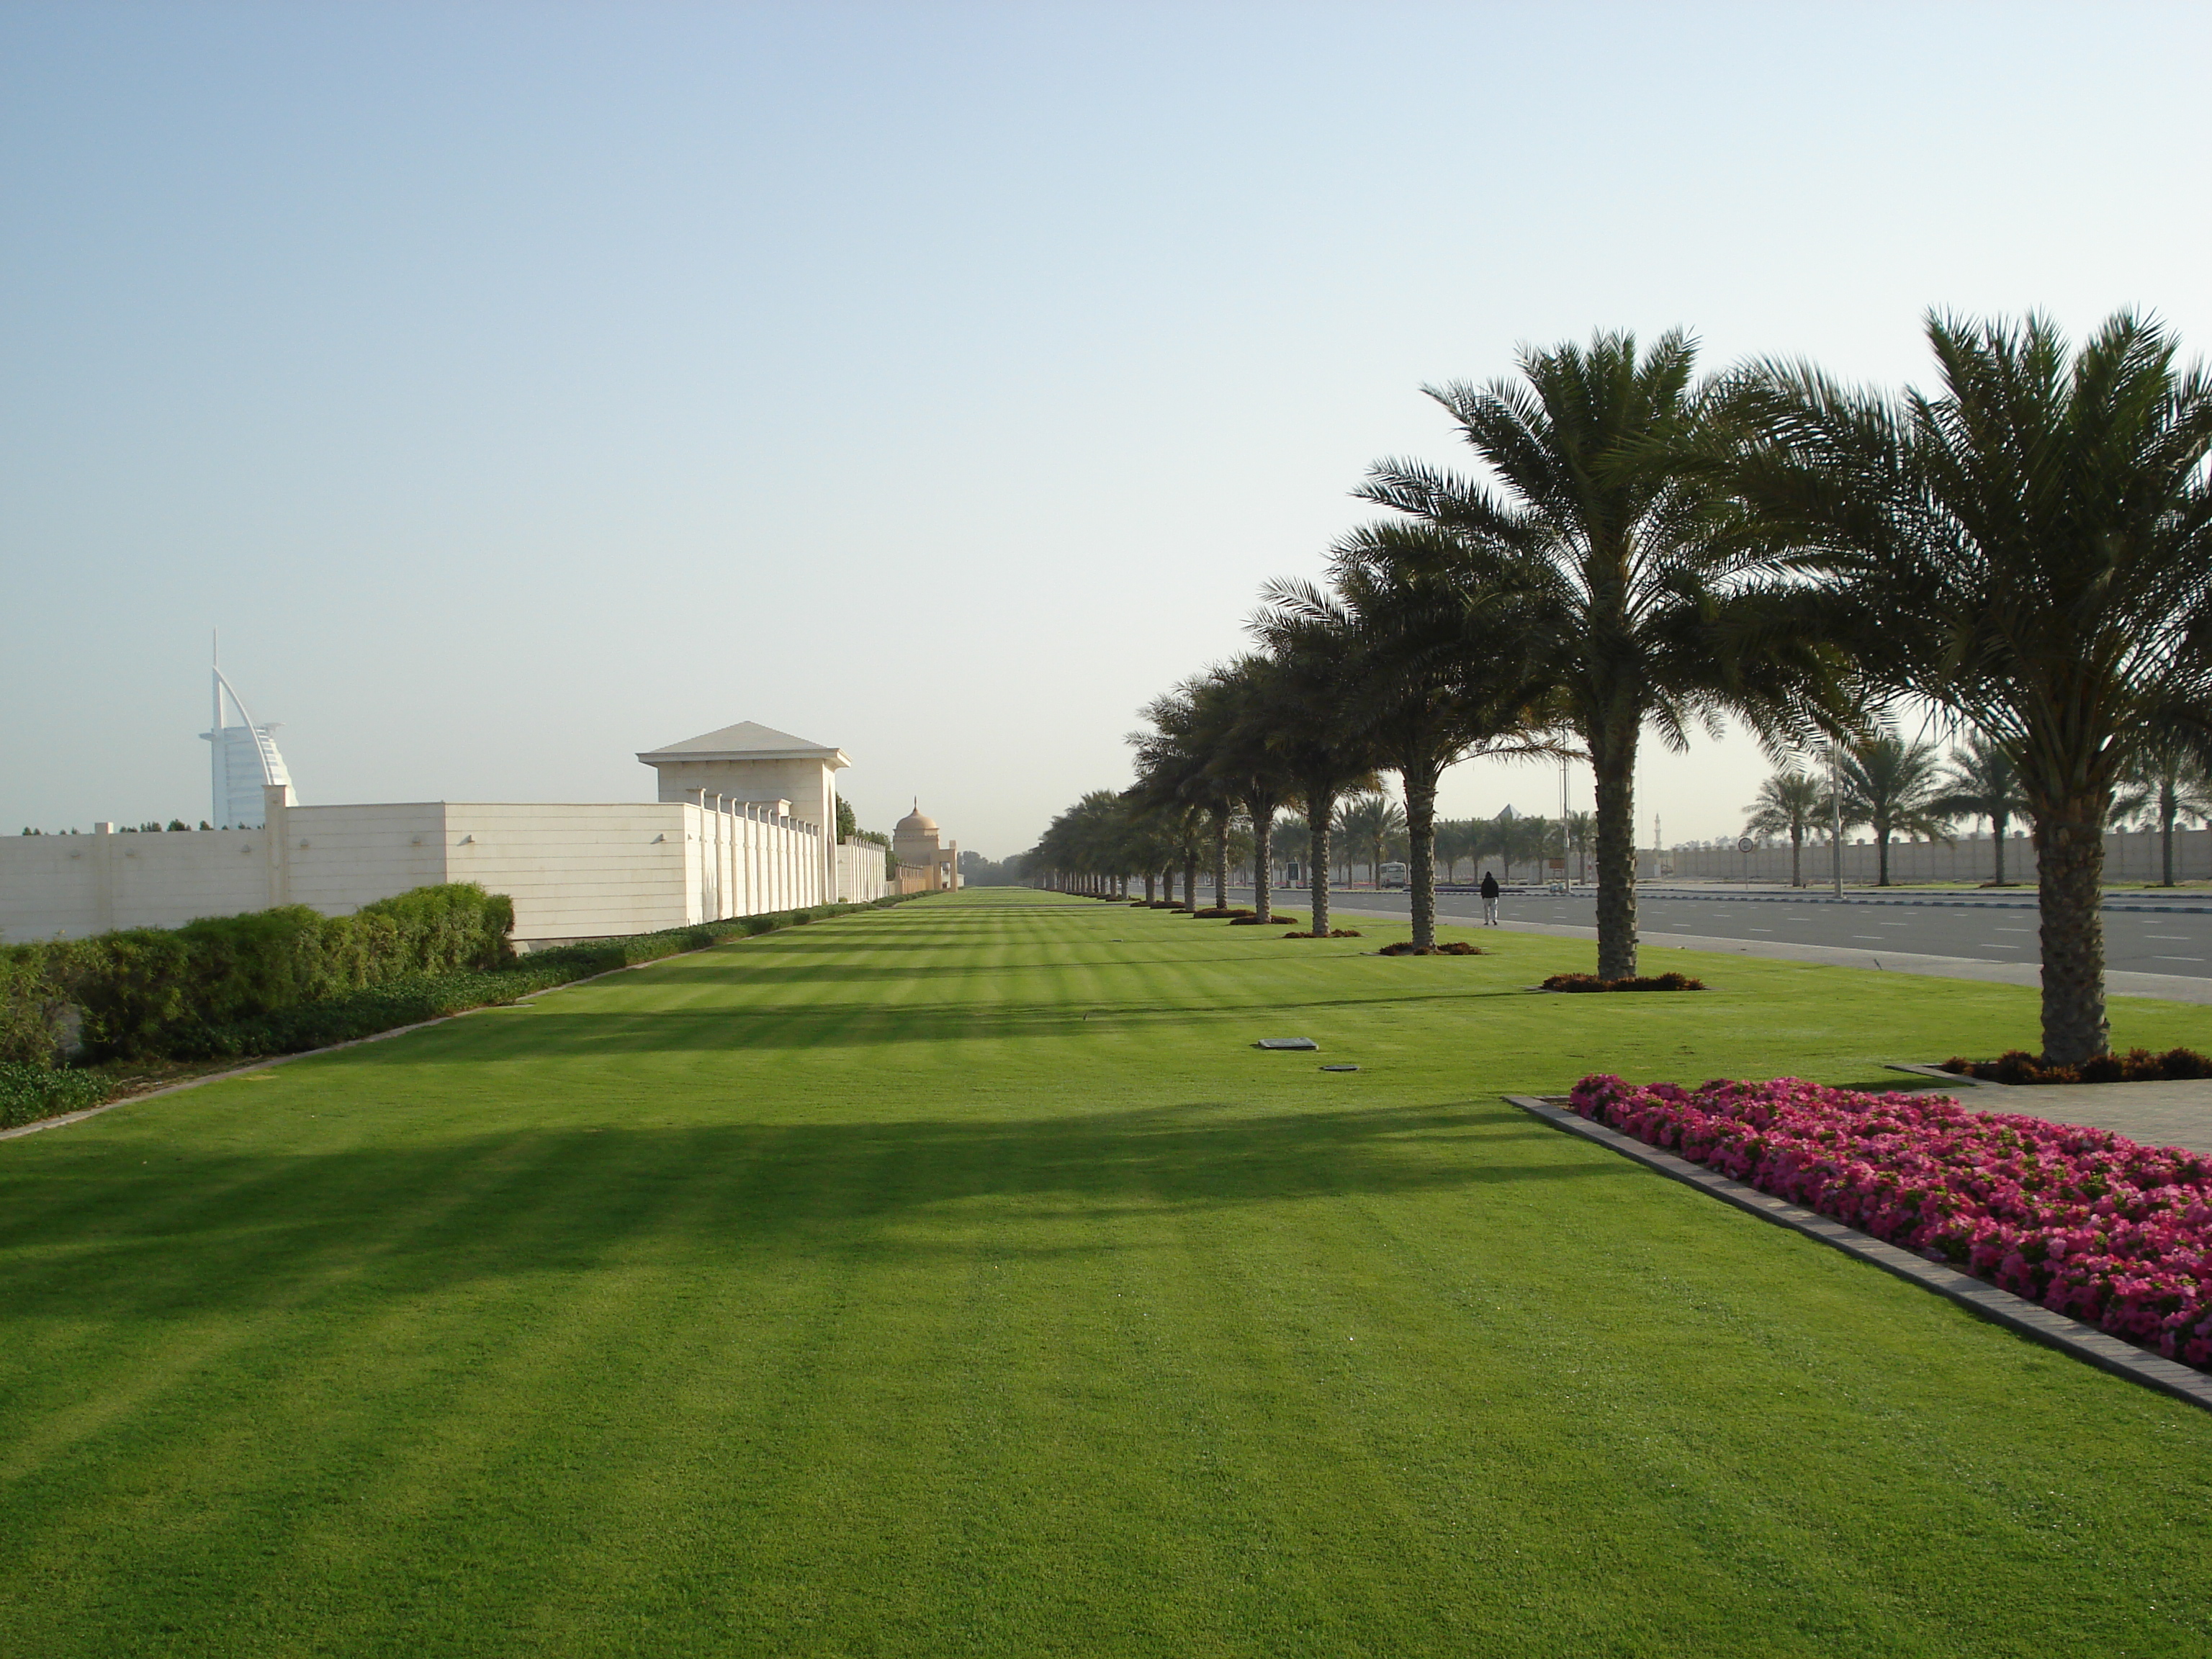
{"x":245,"y":758}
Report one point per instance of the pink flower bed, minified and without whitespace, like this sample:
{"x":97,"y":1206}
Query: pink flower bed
{"x":2084,"y":1221}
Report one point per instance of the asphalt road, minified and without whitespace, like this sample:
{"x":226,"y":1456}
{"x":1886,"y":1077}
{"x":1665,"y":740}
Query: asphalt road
{"x":2135,"y":942}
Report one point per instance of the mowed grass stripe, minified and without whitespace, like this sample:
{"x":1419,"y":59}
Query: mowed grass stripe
{"x":848,"y":1290}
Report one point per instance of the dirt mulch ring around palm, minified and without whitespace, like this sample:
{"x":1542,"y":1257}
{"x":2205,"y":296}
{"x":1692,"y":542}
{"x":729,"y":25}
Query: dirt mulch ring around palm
{"x":1592,"y":982}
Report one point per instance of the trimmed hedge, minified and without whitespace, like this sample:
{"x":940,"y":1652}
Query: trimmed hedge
{"x":135,"y":987}
{"x":28,"y":1093}
{"x":119,"y":970}
{"x":352,"y":1015}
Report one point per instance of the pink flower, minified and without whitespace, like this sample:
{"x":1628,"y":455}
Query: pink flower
{"x":2086,"y":1221}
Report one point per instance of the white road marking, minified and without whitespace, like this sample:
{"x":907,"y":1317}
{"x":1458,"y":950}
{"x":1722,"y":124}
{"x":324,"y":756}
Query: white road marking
{"x":2177,"y":959}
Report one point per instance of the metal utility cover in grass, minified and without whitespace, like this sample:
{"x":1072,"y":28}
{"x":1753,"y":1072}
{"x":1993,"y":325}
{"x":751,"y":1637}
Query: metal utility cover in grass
{"x":1287,"y":1042}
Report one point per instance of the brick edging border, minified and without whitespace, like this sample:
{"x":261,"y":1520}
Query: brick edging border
{"x":263,"y":1064}
{"x":2016,"y":1313}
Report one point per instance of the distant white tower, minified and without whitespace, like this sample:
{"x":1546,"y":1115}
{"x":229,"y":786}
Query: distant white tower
{"x":246,"y":758}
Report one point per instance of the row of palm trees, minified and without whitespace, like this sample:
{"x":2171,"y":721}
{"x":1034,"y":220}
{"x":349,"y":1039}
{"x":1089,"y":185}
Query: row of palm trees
{"x":2027,"y":550}
{"x":1893,"y":786}
{"x":1371,"y":830}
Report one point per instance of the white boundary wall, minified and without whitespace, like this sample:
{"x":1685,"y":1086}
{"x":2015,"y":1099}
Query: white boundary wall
{"x":860,"y":878}
{"x":2129,"y":855}
{"x":580,"y":871}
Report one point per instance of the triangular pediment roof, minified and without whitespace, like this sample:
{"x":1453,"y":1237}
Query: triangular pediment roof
{"x":745,"y":738}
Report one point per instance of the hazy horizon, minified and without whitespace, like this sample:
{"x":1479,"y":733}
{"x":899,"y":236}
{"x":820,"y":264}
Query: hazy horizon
{"x":518,"y":388}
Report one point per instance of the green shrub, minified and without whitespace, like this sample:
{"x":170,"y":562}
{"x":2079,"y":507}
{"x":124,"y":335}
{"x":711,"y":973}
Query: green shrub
{"x":28,"y":1093}
{"x":134,"y":987}
{"x":451,"y":941}
{"x":32,"y":1001}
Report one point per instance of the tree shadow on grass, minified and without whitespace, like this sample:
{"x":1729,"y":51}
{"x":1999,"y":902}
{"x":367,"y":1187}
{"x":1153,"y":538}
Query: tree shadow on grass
{"x":210,"y":1231}
{"x":552,"y":1031}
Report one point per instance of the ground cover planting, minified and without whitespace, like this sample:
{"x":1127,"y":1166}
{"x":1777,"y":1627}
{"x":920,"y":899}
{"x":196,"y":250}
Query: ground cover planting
{"x":956,"y":1278}
{"x":2136,"y":1065}
{"x":2087,"y":1222}
{"x":1632,"y":982}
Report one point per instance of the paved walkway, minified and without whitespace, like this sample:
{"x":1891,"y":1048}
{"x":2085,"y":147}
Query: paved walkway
{"x":2171,"y":987}
{"x":2157,"y":1114}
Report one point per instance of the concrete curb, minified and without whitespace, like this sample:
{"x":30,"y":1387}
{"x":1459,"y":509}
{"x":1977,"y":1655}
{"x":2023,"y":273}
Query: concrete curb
{"x":2015,"y":1313}
{"x":67,"y":1118}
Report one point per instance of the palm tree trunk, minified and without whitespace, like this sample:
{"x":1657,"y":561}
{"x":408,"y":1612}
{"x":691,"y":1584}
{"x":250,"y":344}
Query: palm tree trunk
{"x":1221,"y":860}
{"x":1881,"y":858}
{"x":1612,"y":766}
{"x":1190,"y":874}
{"x":1420,"y":780}
{"x":1796,"y":855}
{"x":2069,"y":878}
{"x":1263,"y":853}
{"x":1320,"y":804}
{"x":2166,"y":817}
{"x":1151,"y":888}
{"x":1999,"y":822}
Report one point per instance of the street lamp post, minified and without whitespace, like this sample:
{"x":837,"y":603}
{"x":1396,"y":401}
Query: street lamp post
{"x":1835,"y":815}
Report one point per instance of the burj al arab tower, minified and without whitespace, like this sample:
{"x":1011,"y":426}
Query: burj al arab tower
{"x":245,"y":759}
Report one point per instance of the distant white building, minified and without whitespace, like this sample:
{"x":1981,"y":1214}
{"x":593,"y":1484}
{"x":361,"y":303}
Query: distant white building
{"x":746,"y":823}
{"x":916,"y":845}
{"x":246,"y":763}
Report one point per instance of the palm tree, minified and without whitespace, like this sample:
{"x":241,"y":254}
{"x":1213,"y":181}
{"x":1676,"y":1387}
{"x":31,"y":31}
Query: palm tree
{"x":1893,"y":787}
{"x":1531,"y":836}
{"x":1314,"y":678}
{"x":1982,"y":782}
{"x":1582,"y":832}
{"x":1789,"y":803}
{"x":2031,"y":549}
{"x":1090,"y":848}
{"x":1454,"y":840}
{"x":1176,"y":776}
{"x":1291,"y":840}
{"x":2162,"y":781}
{"x":1219,"y":707}
{"x":1248,"y":757}
{"x":1441,"y":675}
{"x":1364,"y":821}
{"x":1616,"y":557}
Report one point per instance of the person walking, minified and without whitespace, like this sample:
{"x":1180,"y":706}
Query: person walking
{"x":1489,"y":899}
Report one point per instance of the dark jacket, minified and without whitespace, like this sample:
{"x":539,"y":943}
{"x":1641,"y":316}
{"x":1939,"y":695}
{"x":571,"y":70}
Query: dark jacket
{"x":1489,"y":886}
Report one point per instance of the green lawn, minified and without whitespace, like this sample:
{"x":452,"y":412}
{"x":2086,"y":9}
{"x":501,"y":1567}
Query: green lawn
{"x":954,"y":1280}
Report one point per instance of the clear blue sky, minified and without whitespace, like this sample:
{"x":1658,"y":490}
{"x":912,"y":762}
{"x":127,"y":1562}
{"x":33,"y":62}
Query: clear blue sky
{"x":519,"y":386}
